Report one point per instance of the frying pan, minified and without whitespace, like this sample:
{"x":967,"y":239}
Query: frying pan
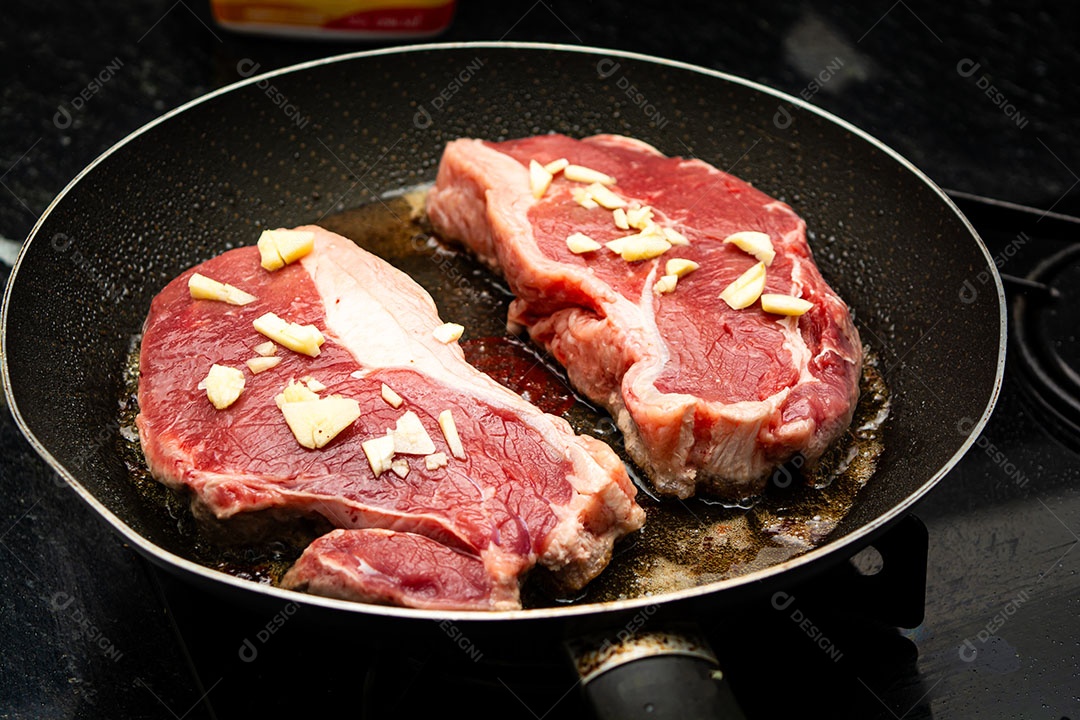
{"x":292,"y":146}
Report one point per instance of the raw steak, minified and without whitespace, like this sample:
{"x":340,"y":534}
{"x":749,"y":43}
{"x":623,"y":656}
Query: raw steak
{"x":528,"y":492}
{"x":708,"y":398}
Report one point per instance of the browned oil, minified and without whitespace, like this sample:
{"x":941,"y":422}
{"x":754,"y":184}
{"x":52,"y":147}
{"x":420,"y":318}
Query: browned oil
{"x":683,"y":543}
{"x":205,"y":543}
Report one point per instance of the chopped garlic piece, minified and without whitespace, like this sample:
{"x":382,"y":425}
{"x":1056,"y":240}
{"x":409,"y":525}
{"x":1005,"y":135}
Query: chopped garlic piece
{"x":278,"y":248}
{"x":410,"y":437}
{"x":313,"y":384}
{"x":265,"y":349}
{"x":757,"y":244}
{"x":392,"y":398}
{"x":680,"y":267}
{"x":434,"y":461}
{"x":314,"y":423}
{"x":745,"y":289}
{"x":596,"y":195}
{"x":400,"y":467}
{"x":639,"y":247}
{"x":204,"y":288}
{"x":294,"y":392}
{"x":539,"y":179}
{"x":557,"y":166}
{"x":449,"y":429}
{"x":675,"y":237}
{"x":579,"y":243}
{"x":223,"y":385}
{"x":784,"y":304}
{"x":262,"y":362}
{"x":584,"y":199}
{"x":579,"y":173}
{"x":448,"y":332}
{"x":604,"y":197}
{"x":616,"y":246}
{"x":417,"y":201}
{"x":639,"y":217}
{"x":380,"y":453}
{"x":665,"y":284}
{"x":304,"y":339}
{"x":619,"y":216}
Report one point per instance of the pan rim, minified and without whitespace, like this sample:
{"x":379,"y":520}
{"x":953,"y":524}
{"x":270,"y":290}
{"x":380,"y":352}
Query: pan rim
{"x":175,"y":562}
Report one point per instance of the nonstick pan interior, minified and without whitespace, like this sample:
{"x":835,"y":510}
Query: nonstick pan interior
{"x":353,"y":129}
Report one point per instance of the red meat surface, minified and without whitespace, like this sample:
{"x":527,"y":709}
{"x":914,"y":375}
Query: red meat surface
{"x":529,"y":491}
{"x":709,"y":399}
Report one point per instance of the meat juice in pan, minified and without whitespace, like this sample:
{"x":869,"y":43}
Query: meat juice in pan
{"x":684,"y":543}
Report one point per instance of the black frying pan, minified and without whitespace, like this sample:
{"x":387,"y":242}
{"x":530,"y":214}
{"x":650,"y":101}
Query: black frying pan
{"x":301,"y":144}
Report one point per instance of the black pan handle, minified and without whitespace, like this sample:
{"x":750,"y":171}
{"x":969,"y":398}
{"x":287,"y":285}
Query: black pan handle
{"x":662,"y":674}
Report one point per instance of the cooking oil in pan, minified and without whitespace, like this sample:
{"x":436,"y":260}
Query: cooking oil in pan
{"x":683,"y":543}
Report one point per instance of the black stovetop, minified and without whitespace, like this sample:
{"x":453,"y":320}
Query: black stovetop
{"x":979,"y":97}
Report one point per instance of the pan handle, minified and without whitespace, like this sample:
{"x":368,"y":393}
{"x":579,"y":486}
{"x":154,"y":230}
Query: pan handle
{"x":662,"y":674}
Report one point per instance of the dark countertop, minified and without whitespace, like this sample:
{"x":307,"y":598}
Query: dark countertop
{"x":979,"y":96}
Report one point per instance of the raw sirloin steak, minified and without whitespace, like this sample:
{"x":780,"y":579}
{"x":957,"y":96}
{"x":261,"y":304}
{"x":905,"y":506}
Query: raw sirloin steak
{"x":709,"y":399}
{"x":528,"y":490}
